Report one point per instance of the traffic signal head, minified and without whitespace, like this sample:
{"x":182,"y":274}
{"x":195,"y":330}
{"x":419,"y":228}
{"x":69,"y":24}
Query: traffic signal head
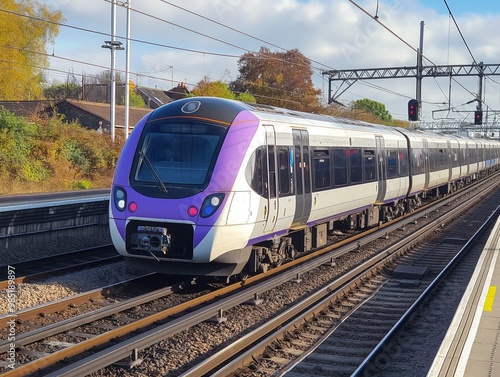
{"x":413,"y":110}
{"x":478,"y":117}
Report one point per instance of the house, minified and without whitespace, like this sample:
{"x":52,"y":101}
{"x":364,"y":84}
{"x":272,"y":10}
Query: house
{"x":94,"y":113}
{"x":178,"y":92}
{"x":96,"y":116}
{"x":24,"y":108}
{"x":153,"y":98}
{"x":91,"y":115}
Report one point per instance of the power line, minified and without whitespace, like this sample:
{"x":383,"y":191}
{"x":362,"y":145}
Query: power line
{"x":376,"y":19}
{"x":135,"y":40}
{"x":460,"y":32}
{"x":106,"y":34}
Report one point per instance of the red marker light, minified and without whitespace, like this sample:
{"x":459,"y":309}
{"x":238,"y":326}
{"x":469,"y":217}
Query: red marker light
{"x":132,"y":207}
{"x":192,"y":211}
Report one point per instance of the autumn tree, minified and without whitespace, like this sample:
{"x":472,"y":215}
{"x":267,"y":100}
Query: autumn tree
{"x":24,"y":34}
{"x":278,"y":78}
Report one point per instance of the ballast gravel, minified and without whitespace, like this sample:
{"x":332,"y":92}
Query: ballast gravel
{"x":177,"y":354}
{"x":28,"y":295}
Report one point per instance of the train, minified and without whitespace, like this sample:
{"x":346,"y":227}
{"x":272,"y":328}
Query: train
{"x":220,"y":188}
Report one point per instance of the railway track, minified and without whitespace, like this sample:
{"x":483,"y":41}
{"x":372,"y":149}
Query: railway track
{"x":54,"y":265}
{"x":422,"y":324}
{"x":174,"y":319}
{"x":359,"y":330}
{"x":62,"y":324}
{"x":133,"y":333}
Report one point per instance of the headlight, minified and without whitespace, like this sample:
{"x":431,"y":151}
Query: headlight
{"x":120,"y":198}
{"x":210,"y":204}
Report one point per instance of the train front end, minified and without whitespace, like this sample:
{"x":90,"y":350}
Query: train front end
{"x":172,"y":187}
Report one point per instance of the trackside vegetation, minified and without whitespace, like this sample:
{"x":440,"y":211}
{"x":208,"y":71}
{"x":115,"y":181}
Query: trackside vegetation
{"x":40,"y":154}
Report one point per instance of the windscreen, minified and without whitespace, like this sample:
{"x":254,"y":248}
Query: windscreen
{"x":177,"y":154}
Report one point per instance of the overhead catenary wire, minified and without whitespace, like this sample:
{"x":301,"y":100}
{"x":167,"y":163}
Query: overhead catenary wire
{"x":376,"y":19}
{"x":205,"y":52}
{"x":147,"y":43}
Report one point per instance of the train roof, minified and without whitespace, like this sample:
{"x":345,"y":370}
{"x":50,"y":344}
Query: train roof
{"x":225,"y":110}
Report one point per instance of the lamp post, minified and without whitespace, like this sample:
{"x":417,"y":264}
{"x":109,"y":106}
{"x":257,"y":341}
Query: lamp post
{"x":113,"y":45}
{"x":127,"y":73}
{"x":172,"y":68}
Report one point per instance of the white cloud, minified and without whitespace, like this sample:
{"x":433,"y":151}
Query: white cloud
{"x":332,"y":32}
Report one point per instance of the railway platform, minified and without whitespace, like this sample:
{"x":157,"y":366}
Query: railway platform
{"x":471,"y":346}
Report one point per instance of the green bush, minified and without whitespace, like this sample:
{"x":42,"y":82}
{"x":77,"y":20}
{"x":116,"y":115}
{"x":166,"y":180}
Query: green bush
{"x":16,"y":141}
{"x":83,"y":185}
{"x":53,"y":155}
{"x":34,"y":171}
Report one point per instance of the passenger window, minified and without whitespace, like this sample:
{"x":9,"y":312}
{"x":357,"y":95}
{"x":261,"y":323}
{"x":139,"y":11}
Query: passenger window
{"x":340,"y":166}
{"x":321,"y":162}
{"x":369,"y":157}
{"x":256,"y":172}
{"x":306,"y":169}
{"x":392,"y":164}
{"x":403,"y":163}
{"x":272,"y":171}
{"x":355,"y":162}
{"x":284,"y":171}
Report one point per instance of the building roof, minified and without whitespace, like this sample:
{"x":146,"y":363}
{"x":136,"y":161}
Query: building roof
{"x":153,"y":98}
{"x":25,"y":108}
{"x":178,"y":92}
{"x":102,"y":111}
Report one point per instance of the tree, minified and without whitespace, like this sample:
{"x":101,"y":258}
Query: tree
{"x":135,"y":100}
{"x":278,"y":78}
{"x":246,"y":97}
{"x":62,"y":91}
{"x":373,"y":107}
{"x":208,"y":88}
{"x":24,"y":35}
{"x":104,"y":77}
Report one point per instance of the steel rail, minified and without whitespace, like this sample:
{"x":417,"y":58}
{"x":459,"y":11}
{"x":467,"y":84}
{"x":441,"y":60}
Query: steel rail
{"x":424,"y":296}
{"x":241,"y":292}
{"x":86,"y":318}
{"x":294,"y":317}
{"x":79,"y":254}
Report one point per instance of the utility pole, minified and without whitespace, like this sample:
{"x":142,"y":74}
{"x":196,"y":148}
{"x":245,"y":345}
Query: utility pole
{"x":420,"y":53}
{"x":113,"y":45}
{"x":480,"y":94}
{"x":127,"y":73}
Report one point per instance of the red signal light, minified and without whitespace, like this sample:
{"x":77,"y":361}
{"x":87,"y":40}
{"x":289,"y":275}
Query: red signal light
{"x":413,"y":110}
{"x":478,"y":117}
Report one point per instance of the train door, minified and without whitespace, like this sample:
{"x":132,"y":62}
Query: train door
{"x":450,"y":161}
{"x":381,"y":168}
{"x":427,"y":170}
{"x":301,"y":166}
{"x":272,"y":201}
{"x":464,"y":158}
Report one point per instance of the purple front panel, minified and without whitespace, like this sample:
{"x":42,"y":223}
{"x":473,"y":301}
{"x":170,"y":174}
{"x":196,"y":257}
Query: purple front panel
{"x":228,"y":164}
{"x":124,"y":164}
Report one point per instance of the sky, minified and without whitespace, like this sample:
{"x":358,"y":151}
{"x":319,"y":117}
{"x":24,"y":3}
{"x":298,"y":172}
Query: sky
{"x":175,"y":41}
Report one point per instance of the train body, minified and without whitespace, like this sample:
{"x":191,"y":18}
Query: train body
{"x":214,"y":187}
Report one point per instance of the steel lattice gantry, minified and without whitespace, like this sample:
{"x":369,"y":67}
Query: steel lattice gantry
{"x":350,"y":76}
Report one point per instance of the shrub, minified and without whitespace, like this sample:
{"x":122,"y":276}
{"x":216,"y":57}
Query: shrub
{"x":49,"y":154}
{"x":83,"y":185}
